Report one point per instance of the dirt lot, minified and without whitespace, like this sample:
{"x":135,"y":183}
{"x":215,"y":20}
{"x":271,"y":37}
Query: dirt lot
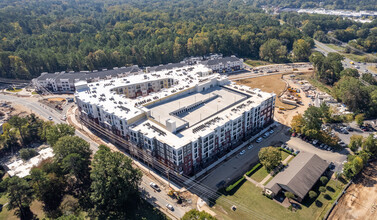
{"x":275,"y":84}
{"x":55,"y":103}
{"x":360,"y":200}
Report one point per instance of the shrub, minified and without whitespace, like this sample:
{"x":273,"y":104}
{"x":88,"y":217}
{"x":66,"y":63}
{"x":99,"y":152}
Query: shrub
{"x":324,"y":180}
{"x":322,"y":189}
{"x":235,"y":185}
{"x":312,"y":194}
{"x":27,"y":153}
{"x":255,"y":168}
{"x":287,"y":151}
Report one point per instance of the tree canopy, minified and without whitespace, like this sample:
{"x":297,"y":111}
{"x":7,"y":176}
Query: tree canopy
{"x":270,"y":157}
{"x":114,"y":184}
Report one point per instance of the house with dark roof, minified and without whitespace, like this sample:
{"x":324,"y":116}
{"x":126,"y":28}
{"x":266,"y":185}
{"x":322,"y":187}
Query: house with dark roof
{"x":224,"y":64}
{"x":299,"y":177}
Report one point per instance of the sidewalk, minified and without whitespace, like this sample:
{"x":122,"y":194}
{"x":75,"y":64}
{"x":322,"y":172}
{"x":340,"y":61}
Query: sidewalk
{"x":260,"y":185}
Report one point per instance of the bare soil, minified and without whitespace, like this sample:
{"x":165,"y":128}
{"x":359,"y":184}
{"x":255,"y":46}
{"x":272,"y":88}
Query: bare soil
{"x":360,"y":199}
{"x":275,"y":84}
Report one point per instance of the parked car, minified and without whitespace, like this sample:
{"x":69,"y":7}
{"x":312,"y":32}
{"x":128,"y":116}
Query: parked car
{"x":349,"y":128}
{"x":272,"y":131}
{"x":297,"y":152}
{"x":259,"y":140}
{"x":155,"y":186}
{"x":242,"y":152}
{"x":170,"y":207}
{"x":50,"y":118}
{"x":64,"y":118}
{"x":315,"y":142}
{"x":266,"y":135}
{"x":250,"y":147}
{"x":293,"y":134}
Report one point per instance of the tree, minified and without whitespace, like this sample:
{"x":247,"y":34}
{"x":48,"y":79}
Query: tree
{"x":322,"y":189}
{"x":273,"y":51}
{"x":297,"y":123}
{"x":289,"y":195}
{"x":312,"y":194}
{"x":313,"y":118}
{"x":270,"y":157}
{"x":359,"y":119}
{"x":356,"y":142}
{"x":328,"y":67}
{"x":357,"y":165}
{"x":369,"y":144}
{"x":350,"y":72}
{"x":49,"y":189}
{"x":194,"y":214}
{"x":27,"y":153}
{"x":114,"y":184}
{"x":18,"y":123}
{"x":20,"y":196}
{"x":301,"y":50}
{"x":53,"y":133}
{"x":73,"y":155}
{"x":324,"y":180}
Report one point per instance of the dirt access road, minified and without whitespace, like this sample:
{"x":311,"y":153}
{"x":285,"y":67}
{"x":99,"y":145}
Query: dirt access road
{"x":360,"y":199}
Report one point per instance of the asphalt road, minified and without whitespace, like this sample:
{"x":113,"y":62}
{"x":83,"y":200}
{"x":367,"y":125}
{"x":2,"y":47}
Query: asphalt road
{"x":237,"y":165}
{"x":324,"y":49}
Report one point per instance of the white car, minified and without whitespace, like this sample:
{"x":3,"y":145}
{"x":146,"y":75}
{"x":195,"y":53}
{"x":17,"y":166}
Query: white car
{"x":272,"y":131}
{"x":250,"y":147}
{"x":259,"y":140}
{"x":170,"y":207}
{"x":50,"y":118}
{"x":242,"y":152}
{"x":154,"y":186}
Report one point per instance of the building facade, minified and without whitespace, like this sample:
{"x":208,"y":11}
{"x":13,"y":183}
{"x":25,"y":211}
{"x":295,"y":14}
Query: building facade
{"x":183,"y":117}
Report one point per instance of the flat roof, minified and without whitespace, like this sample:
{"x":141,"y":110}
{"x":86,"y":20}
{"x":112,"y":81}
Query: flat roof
{"x":201,"y":105}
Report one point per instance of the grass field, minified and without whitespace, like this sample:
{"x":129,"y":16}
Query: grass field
{"x":335,"y":47}
{"x":14,"y":90}
{"x":256,"y":63}
{"x":260,"y":174}
{"x":372,"y":69}
{"x":251,"y":204}
{"x":284,"y":155}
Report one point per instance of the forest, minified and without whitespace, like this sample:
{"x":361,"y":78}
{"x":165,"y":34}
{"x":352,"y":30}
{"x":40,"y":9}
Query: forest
{"x":328,"y":4}
{"x":362,"y":36}
{"x":63,"y":35}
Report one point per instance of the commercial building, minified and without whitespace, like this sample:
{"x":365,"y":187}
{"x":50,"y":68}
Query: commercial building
{"x":65,"y":82}
{"x":299,"y":177}
{"x":184,"y":117}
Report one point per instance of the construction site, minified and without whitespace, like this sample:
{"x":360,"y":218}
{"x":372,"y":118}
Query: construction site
{"x":360,"y":200}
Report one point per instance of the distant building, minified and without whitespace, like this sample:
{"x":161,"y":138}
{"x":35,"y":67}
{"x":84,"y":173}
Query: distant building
{"x":224,"y":65}
{"x":65,"y":82}
{"x":299,"y":177}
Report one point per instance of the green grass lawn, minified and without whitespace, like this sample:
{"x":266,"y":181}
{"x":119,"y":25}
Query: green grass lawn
{"x":335,"y":47}
{"x":251,"y":204}
{"x":14,"y":90}
{"x":260,"y":174}
{"x":256,"y":63}
{"x":321,"y":86}
{"x":284,"y":155}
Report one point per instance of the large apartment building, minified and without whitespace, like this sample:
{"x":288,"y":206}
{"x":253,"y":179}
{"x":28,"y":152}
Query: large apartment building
{"x":183,"y":116}
{"x":63,"y":82}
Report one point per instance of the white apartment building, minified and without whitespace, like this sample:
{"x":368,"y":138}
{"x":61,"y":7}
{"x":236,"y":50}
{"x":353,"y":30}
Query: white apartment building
{"x":182,"y":116}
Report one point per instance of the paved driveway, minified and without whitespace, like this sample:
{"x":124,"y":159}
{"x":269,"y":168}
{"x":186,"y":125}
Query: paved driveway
{"x":336,"y":157}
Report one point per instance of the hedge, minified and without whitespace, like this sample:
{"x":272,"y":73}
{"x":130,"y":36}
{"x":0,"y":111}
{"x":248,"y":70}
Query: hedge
{"x":235,"y":185}
{"x":287,"y":151}
{"x":255,"y":168}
